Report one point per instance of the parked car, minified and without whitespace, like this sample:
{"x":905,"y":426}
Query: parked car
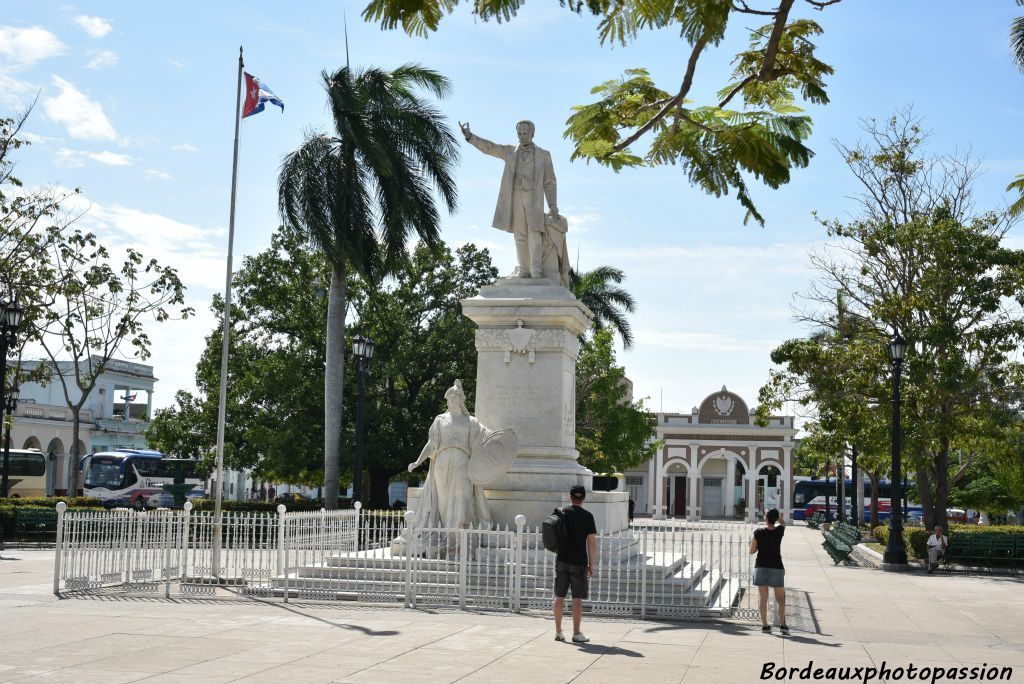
{"x":290,"y":497}
{"x":958,"y":515}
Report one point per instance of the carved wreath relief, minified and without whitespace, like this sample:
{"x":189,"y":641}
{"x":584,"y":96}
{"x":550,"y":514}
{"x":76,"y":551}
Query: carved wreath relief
{"x":519,"y":340}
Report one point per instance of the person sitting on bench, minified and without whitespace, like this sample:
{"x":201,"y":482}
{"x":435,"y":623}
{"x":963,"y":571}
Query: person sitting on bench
{"x":937,"y":545}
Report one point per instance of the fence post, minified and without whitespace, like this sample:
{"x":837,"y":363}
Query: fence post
{"x":61,"y":507}
{"x":358,"y":505}
{"x":410,"y":555}
{"x":463,"y":564}
{"x":643,"y":575}
{"x":184,"y":541}
{"x":517,"y":564}
{"x":168,"y":524}
{"x":282,"y":567}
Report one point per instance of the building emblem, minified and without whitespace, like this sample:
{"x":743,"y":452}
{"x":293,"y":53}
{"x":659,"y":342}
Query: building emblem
{"x":724,"y":405}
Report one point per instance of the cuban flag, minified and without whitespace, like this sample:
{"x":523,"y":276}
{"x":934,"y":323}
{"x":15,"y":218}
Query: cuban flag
{"x":257,"y":95}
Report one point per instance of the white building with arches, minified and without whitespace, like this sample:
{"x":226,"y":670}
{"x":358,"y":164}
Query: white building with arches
{"x":714,"y":462}
{"x":115,"y":416}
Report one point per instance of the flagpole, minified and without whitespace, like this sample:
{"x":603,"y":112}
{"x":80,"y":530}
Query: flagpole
{"x":223,"y":398}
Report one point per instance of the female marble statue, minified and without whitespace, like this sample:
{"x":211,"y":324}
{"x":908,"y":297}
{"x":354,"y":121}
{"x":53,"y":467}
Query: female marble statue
{"x":450,"y":497}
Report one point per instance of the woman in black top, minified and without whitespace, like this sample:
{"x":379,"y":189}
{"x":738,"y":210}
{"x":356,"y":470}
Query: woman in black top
{"x":768,"y":568}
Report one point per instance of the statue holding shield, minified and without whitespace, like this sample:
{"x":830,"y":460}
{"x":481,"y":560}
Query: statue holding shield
{"x":464,"y":456}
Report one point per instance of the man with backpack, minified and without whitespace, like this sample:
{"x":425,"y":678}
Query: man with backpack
{"x":574,"y":565}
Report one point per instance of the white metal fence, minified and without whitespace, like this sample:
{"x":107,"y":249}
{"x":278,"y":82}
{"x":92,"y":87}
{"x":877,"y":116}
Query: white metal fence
{"x":673,"y":571}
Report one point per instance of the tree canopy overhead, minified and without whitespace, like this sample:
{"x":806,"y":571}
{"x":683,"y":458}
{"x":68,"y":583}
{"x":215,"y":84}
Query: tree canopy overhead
{"x":753,"y":127}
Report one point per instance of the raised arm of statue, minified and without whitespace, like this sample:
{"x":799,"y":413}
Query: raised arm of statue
{"x":486,"y":146}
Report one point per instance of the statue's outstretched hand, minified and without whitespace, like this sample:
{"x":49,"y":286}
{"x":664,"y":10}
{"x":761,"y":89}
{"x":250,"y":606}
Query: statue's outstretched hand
{"x":413,"y":466}
{"x":465,"y":129}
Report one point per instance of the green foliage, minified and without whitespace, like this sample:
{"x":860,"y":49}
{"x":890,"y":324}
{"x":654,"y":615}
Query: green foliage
{"x":206,"y":505}
{"x":275,"y":370}
{"x":1017,"y":41}
{"x":612,"y":431}
{"x":985,"y":494}
{"x":1017,"y":208}
{"x":359,"y":194}
{"x":600,"y":292}
{"x":423,"y":343}
{"x":714,"y":145}
{"x":917,"y":260}
{"x":76,"y":502}
{"x":916,"y":538}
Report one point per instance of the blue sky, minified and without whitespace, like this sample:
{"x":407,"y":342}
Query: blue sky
{"x":137,"y":101}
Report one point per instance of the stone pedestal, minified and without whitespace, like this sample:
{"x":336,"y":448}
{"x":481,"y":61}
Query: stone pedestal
{"x":527,"y":343}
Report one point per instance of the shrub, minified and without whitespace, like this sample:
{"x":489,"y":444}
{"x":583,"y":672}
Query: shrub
{"x":916,"y":538}
{"x":8,"y":512}
{"x":52,"y":501}
{"x":265,"y":506}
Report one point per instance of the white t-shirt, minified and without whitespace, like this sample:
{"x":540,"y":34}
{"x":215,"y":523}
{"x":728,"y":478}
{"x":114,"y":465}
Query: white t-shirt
{"x":938,"y":543}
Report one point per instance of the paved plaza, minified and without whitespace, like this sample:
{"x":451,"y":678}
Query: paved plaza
{"x":842,"y":617}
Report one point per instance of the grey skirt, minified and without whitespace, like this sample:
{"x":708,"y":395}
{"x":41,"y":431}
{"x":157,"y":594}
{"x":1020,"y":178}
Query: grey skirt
{"x":769,"y":577}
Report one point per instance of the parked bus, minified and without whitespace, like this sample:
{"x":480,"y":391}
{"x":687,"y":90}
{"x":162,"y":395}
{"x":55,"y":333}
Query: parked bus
{"x":28,"y":473}
{"x":134,"y":478}
{"x":809,"y":497}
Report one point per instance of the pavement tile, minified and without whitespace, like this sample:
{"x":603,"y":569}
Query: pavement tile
{"x":842,"y":616}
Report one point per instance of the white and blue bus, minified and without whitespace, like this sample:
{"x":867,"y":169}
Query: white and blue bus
{"x":809,"y":497}
{"x":135,"y":478}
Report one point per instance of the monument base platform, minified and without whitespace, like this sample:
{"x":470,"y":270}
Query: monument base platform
{"x":610,"y":509}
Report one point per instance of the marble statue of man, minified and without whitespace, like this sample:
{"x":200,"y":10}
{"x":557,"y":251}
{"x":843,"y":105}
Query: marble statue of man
{"x":528,"y":178}
{"x":463,"y":456}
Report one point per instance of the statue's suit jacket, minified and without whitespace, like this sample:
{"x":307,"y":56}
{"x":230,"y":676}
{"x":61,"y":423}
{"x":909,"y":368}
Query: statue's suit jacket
{"x":544,"y":183}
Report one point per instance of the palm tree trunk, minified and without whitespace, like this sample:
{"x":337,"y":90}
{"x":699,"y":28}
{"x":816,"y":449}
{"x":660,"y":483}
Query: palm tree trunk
{"x":334,"y":375}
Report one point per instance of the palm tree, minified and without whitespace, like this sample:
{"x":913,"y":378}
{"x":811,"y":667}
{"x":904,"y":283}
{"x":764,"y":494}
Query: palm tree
{"x":1017,"y":48}
{"x":599,"y":290}
{"x":360,"y":193}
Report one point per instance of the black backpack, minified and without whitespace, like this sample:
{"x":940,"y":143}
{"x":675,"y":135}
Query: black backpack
{"x":555,"y":531}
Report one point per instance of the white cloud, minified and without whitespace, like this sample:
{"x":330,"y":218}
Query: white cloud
{"x":22,"y":47}
{"x":14,"y":92}
{"x":156,"y":174}
{"x":102,"y":60}
{"x":111,"y":158}
{"x":174,"y":62}
{"x":700,"y":341}
{"x":83,"y":117}
{"x":185,"y":147}
{"x":195,"y":251}
{"x":73,"y":159}
{"x":94,"y":26}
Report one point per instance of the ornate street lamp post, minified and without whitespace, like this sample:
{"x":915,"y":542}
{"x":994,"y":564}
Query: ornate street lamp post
{"x":11,"y":316}
{"x":856,"y":504}
{"x":895,"y":558}
{"x":841,"y":487}
{"x":828,"y":494}
{"x":362,"y":353}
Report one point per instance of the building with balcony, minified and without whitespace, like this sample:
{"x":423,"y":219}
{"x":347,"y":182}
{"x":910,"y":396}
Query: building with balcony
{"x":114,"y":416}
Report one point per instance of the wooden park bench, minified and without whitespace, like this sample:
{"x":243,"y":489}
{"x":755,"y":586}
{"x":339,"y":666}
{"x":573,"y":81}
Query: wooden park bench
{"x":814,"y":522}
{"x":35,"y":522}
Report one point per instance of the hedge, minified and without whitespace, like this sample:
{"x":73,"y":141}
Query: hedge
{"x":916,"y":538}
{"x":265,"y":506}
{"x":7,"y":515}
{"x":52,"y":501}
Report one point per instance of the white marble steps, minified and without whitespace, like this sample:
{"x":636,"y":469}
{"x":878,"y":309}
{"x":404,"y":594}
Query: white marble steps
{"x":674,"y":587}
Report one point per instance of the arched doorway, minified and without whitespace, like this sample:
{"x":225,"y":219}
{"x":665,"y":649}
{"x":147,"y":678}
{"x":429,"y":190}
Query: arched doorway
{"x":769,"y":487}
{"x":675,"y":477}
{"x":32,"y":443}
